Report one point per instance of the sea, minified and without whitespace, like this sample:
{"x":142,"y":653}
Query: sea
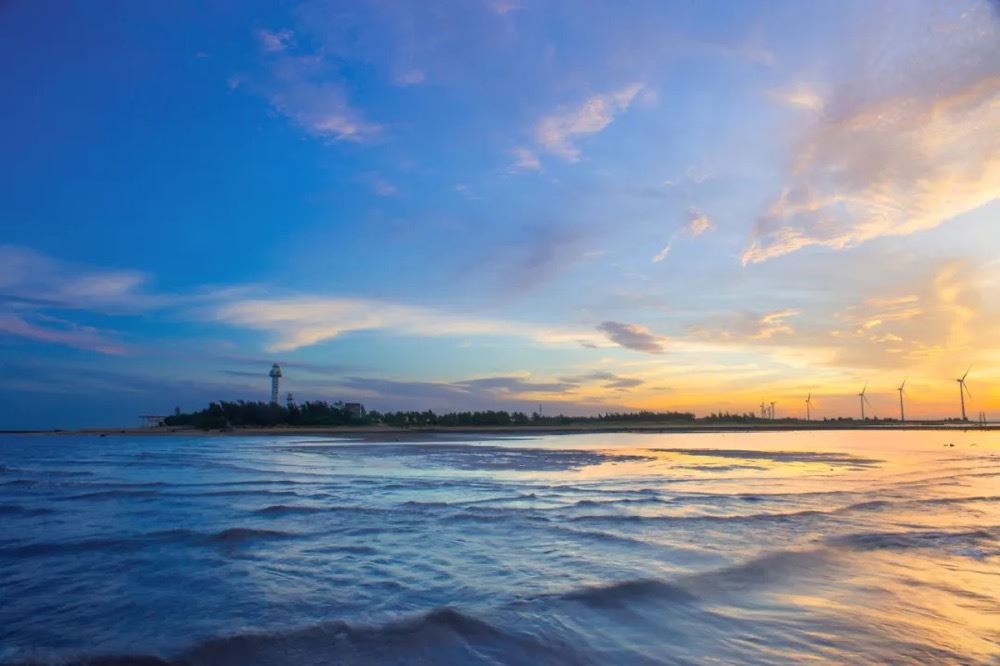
{"x":832,"y":547}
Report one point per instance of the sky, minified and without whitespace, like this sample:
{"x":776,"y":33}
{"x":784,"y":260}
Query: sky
{"x":583,"y":206}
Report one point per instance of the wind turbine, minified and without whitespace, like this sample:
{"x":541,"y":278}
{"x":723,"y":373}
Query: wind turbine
{"x":763,"y":410}
{"x":962,"y":390}
{"x":772,"y":409}
{"x":809,"y":399}
{"x":863,"y":400}
{"x":902,"y":414}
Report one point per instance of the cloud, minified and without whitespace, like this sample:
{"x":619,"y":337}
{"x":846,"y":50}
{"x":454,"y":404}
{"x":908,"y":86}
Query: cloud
{"x":274,"y":41}
{"x":384,"y":188}
{"x":556,"y":132}
{"x":800,"y":97}
{"x":633,"y":336}
{"x":748,"y":327}
{"x":697,"y":224}
{"x":503,"y":7}
{"x":322,"y":109}
{"x":466,"y":191}
{"x":607,"y":380}
{"x":28,"y":278}
{"x":310,"y":93}
{"x":298,"y":322}
{"x":410,"y":77}
{"x":502,"y":392}
{"x":896,"y":154}
{"x":775,"y":323}
{"x":60,"y":332}
{"x":662,"y":254}
{"x":937,"y":318}
{"x":515,"y":385}
{"x":526,"y":160}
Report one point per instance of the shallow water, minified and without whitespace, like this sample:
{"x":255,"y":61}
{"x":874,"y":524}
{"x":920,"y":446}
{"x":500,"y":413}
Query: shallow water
{"x":843,"y":547}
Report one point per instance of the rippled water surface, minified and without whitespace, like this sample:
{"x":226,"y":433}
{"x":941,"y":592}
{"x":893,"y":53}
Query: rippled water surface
{"x":845,"y":547}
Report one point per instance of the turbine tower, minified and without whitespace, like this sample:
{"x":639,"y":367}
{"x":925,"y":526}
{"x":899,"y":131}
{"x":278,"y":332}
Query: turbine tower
{"x":809,"y":399}
{"x":962,"y":390}
{"x":863,"y":399}
{"x":772,"y":409}
{"x":902,"y":414}
{"x":275,"y":376}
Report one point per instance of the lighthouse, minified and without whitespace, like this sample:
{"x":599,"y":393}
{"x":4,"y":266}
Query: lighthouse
{"x":275,"y":376}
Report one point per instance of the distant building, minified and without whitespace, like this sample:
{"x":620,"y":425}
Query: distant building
{"x":355,"y":409}
{"x":150,"y":420}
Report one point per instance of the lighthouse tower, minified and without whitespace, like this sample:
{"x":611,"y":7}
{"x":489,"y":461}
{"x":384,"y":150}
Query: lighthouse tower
{"x":275,"y":376}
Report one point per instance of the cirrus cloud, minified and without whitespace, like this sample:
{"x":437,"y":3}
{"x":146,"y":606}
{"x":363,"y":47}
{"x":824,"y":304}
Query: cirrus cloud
{"x":556,"y":132}
{"x":302,"y":321}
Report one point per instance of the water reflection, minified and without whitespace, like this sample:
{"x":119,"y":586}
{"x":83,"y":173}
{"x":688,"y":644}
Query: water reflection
{"x":632,"y":548}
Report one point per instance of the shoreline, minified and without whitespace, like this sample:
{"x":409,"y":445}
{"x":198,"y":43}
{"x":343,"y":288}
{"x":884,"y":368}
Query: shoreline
{"x":377,"y":432}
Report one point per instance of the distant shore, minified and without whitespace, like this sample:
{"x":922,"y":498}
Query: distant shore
{"x":383,"y":432}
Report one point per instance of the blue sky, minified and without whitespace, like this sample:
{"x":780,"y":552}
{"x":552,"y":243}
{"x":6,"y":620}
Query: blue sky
{"x":497,"y":204}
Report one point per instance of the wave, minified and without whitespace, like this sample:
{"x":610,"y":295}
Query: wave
{"x":18,"y":510}
{"x":238,"y":535}
{"x":935,"y":501}
{"x":541,"y":629}
{"x":283,"y":509}
{"x":69,"y":547}
{"x":969,"y":542}
{"x":442,"y":635}
{"x":753,"y":517}
{"x":618,"y":594}
{"x":623,"y":500}
{"x":778,"y":456}
{"x":112,"y":494}
{"x":721,"y":468}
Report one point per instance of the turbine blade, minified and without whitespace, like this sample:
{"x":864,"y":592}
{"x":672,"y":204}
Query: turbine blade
{"x":966,"y":387}
{"x":966,"y":373}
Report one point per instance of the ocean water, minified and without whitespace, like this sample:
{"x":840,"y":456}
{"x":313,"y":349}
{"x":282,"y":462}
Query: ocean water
{"x":763,"y":548}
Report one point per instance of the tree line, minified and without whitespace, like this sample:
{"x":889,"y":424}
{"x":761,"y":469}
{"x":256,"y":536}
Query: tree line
{"x":223,"y":415}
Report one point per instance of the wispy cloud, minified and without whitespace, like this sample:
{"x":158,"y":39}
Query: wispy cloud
{"x":383,"y":188}
{"x":748,"y":327}
{"x":298,"y":322}
{"x":665,"y":252}
{"x":697,"y":224}
{"x":895,"y":156}
{"x":410,"y":77}
{"x":606,"y":380}
{"x":633,"y":336}
{"x":801,"y":97}
{"x":502,"y":7}
{"x":526,"y":160}
{"x":308,"y":90}
{"x":30,"y":278}
{"x":60,"y":332}
{"x":557,"y":132}
{"x":319,"y":106}
{"x":275,"y":40}
{"x":497,"y":392}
